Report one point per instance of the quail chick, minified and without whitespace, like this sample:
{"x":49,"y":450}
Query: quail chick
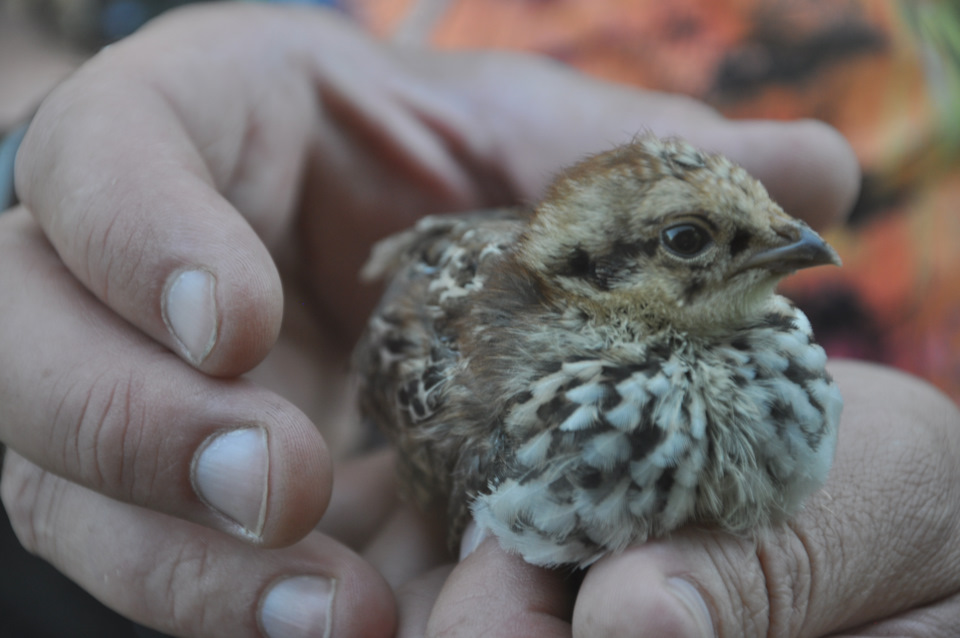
{"x":609,"y":366}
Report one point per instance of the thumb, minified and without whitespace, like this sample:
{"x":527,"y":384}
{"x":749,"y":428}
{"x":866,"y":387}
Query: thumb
{"x":880,"y":540}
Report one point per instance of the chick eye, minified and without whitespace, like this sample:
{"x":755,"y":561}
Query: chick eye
{"x":685,"y":240}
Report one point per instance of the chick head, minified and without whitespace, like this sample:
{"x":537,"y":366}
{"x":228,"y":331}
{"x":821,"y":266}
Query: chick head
{"x":662,"y":233}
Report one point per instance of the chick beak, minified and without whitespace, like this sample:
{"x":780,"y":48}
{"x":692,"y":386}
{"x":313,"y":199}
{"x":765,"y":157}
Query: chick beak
{"x":806,"y":251}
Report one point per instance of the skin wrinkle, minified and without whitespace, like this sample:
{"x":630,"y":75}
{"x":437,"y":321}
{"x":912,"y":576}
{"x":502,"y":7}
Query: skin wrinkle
{"x":73,"y":438}
{"x":802,"y":575}
{"x":90,"y":446}
{"x":98,"y":449}
{"x":349,"y":128}
{"x":47,"y":542}
{"x":924,"y":481}
{"x":31,"y":502}
{"x":18,"y":490}
{"x":193,"y":563}
{"x":88,"y":249}
{"x":58,"y":415}
{"x":920,"y":559}
{"x":111,"y":256}
{"x":933,"y":529}
{"x":113,"y":431}
{"x":132,"y":269}
{"x":98,"y":236}
{"x":866,"y":522}
{"x":821,"y":583}
{"x":132,"y":444}
{"x":750,"y":600}
{"x":79,"y":199}
{"x":773,"y":592}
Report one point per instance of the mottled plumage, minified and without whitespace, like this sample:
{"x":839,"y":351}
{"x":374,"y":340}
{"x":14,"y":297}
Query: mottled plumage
{"x":609,"y":366}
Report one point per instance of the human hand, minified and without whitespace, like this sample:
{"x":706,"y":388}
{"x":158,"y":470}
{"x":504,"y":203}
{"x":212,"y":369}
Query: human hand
{"x":875,"y":553}
{"x":218,"y":143}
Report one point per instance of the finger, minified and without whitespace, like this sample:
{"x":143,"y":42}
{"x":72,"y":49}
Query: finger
{"x":409,"y":544}
{"x":365,"y":512}
{"x":881,"y":537}
{"x":190,"y":581}
{"x":492,"y":593}
{"x":415,"y":601}
{"x":86,"y":396}
{"x":807,"y":166}
{"x":522,"y":103}
{"x":364,"y":497}
{"x":932,"y":621}
{"x":125,"y":175}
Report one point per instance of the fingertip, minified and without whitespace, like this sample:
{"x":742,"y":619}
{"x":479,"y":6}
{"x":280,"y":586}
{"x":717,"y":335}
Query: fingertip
{"x":184,"y":580}
{"x":189,"y":310}
{"x":344,"y":597}
{"x":222,"y":299}
{"x":150,"y":235}
{"x":298,"y":606}
{"x":263,"y":471}
{"x":300,"y":484}
{"x":822,"y":146}
{"x":493,"y":592}
{"x":624,"y":592}
{"x":323,"y":574}
{"x":365,"y":606}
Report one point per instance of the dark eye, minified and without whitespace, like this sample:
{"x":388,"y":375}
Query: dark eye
{"x":685,"y":240}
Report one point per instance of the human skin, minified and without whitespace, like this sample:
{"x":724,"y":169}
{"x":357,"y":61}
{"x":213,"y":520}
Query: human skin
{"x":269,"y":147}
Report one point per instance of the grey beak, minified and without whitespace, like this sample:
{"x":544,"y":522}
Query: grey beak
{"x":807,"y":251}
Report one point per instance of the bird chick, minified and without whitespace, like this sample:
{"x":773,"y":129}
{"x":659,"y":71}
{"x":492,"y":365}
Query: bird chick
{"x":609,"y":366}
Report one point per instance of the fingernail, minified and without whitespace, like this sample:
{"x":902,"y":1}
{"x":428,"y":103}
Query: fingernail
{"x":190,"y":312}
{"x":298,"y":607}
{"x":689,"y":596}
{"x":230,"y":475}
{"x":472,"y":537}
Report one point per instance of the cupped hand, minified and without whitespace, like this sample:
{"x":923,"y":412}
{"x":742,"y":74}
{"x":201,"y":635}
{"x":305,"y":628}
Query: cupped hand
{"x":875,"y":553}
{"x":167,"y":185}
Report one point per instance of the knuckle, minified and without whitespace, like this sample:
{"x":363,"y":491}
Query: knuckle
{"x":98,"y":228}
{"x":180,"y":583}
{"x":745,"y":593}
{"x":112,"y":239}
{"x":787,"y":566}
{"x":100,"y":423}
{"x":41,"y":153}
{"x":765,"y":584}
